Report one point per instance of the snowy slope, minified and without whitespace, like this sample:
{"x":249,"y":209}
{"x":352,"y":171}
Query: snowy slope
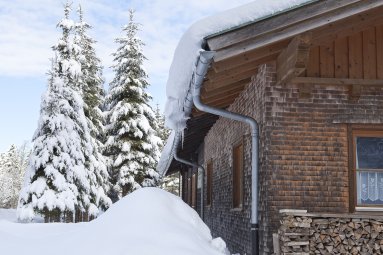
{"x":149,"y":221}
{"x":8,"y":215}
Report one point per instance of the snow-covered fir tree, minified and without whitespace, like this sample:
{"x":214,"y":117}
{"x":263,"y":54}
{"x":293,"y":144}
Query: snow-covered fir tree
{"x":162,"y":131}
{"x":57,"y":182}
{"x":12,"y":169}
{"x":93,"y":95}
{"x":171,"y":183}
{"x":132,"y":144}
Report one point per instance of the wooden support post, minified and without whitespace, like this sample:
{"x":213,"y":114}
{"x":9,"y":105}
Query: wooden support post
{"x":294,"y":59}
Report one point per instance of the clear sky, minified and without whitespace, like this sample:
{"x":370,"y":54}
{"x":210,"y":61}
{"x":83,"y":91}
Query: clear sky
{"x":28,"y":30}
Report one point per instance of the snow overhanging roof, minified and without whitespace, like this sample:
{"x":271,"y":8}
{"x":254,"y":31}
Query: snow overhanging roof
{"x":178,"y":105}
{"x":192,"y":42}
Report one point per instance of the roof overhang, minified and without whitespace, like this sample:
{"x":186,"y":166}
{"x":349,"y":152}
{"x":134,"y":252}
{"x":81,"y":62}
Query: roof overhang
{"x":241,"y":50}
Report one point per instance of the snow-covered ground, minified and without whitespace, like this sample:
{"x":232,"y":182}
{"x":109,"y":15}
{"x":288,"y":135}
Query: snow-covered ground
{"x":149,"y":221}
{"x":8,"y":215}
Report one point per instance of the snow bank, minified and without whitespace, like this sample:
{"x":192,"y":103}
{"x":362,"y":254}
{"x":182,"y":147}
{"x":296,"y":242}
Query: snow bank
{"x":187,"y":51}
{"x":149,"y":221}
{"x":8,"y":215}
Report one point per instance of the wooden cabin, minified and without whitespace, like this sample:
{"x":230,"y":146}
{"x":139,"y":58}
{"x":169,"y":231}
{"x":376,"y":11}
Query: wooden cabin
{"x":312,"y":77}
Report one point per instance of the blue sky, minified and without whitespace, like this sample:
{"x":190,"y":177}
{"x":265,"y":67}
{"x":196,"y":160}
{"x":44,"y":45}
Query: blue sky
{"x":28,"y":30}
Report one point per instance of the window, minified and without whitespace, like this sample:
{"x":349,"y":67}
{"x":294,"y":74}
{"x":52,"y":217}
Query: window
{"x":368,"y":166}
{"x":193,"y":190}
{"x":209,"y":182}
{"x":238,"y":176}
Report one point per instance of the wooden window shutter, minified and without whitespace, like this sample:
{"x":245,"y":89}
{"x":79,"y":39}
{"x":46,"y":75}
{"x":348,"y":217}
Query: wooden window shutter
{"x":209,"y":183}
{"x":238,"y":176}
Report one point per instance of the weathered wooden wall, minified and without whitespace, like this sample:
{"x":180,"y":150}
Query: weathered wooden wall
{"x":359,"y":56}
{"x":304,"y":153}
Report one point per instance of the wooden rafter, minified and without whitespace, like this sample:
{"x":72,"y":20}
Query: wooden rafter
{"x":225,"y":90}
{"x":253,"y":58}
{"x":294,"y":59}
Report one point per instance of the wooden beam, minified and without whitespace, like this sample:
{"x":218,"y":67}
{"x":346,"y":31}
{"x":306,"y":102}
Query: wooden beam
{"x":275,"y":22}
{"x":227,"y":83}
{"x":250,"y":55}
{"x":223,"y":99}
{"x":221,"y":91}
{"x":298,"y":28}
{"x":294,"y":59}
{"x":212,"y":75}
{"x":224,"y":77}
{"x":336,"y":81}
{"x":237,"y":63}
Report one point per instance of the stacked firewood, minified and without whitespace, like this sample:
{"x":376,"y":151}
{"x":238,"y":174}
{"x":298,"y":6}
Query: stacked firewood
{"x":294,"y":235}
{"x":305,"y":233}
{"x":346,"y":236}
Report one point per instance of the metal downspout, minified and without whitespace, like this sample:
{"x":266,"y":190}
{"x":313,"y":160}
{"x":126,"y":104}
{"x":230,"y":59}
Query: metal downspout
{"x":186,"y":162}
{"x":199,"y":74}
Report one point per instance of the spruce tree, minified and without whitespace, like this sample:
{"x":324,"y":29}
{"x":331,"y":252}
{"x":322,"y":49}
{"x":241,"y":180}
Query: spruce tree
{"x":132,"y":144}
{"x":10,"y":178}
{"x":57,"y":180}
{"x":162,"y":132}
{"x":93,"y":95}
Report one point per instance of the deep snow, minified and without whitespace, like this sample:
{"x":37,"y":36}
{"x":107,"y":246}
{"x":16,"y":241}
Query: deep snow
{"x":149,"y":221}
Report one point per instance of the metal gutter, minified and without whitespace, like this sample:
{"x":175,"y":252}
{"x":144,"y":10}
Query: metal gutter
{"x":190,"y":163}
{"x":204,"y":61}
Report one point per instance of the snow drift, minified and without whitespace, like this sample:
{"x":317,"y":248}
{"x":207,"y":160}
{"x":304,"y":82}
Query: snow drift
{"x":149,"y":221}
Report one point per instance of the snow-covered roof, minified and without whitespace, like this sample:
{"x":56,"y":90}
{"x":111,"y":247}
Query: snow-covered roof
{"x":187,"y":53}
{"x":191,"y":43}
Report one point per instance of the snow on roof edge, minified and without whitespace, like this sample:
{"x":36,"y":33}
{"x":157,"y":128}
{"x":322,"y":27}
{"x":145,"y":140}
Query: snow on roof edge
{"x":259,"y":19}
{"x":168,"y":153}
{"x":187,"y":51}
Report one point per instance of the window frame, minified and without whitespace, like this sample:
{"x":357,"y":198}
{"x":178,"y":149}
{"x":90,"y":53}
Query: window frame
{"x":238,"y":205}
{"x":360,"y":132}
{"x":193,"y":190}
{"x":209,"y":183}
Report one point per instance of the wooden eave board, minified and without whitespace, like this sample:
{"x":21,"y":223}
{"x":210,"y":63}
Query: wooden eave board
{"x":280,"y":28}
{"x":229,"y":71}
{"x":194,"y":134}
{"x":274,"y":22}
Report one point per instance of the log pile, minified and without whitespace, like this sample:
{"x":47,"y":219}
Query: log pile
{"x":294,"y":235}
{"x":303,"y":233}
{"x":346,"y":236}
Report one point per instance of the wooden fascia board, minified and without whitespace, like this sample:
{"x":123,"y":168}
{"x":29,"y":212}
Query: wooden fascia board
{"x":275,"y":35}
{"x":274,"y":23}
{"x":293,"y":60}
